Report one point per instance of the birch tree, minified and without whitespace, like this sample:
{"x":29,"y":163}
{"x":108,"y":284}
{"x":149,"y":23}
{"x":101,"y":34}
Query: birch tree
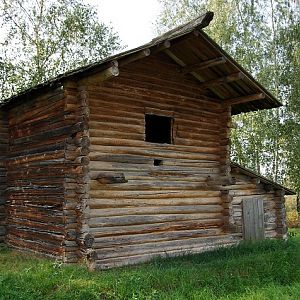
{"x":43,"y":38}
{"x":264,"y":37}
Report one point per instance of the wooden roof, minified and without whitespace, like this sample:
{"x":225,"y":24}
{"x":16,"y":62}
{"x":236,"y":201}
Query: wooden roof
{"x":221,"y":78}
{"x":236,"y":168}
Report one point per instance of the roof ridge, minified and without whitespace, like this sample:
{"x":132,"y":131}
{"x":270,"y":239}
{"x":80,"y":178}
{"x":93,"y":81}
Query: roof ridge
{"x":199,"y":22}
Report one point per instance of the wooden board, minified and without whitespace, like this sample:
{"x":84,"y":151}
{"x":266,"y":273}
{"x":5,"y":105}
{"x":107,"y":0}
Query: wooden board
{"x":253,"y":218}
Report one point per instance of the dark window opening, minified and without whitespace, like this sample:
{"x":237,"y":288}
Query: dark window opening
{"x":158,"y":129}
{"x":157,"y":162}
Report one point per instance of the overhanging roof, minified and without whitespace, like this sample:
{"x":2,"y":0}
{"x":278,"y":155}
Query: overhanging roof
{"x":241,"y":170}
{"x":220,"y":77}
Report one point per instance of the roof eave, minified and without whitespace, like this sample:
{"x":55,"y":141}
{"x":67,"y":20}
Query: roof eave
{"x":265,"y":180}
{"x":276,"y":102}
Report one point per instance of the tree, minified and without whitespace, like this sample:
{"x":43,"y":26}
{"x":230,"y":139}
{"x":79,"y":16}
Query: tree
{"x":264,"y":37}
{"x":45,"y":37}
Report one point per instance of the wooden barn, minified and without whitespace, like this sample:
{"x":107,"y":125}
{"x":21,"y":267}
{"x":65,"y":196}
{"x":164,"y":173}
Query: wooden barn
{"x":129,"y":158}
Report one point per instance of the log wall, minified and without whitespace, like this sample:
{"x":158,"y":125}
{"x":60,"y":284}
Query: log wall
{"x":3,"y":153}
{"x":42,"y":168}
{"x":274,"y":208}
{"x":82,"y":182}
{"x":139,"y":210}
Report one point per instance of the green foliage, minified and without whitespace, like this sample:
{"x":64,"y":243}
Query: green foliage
{"x":44,"y":38}
{"x":266,"y":270}
{"x":264,"y":36}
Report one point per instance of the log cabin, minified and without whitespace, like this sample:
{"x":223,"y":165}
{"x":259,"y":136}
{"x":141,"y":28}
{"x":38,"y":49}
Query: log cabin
{"x":128,"y":159}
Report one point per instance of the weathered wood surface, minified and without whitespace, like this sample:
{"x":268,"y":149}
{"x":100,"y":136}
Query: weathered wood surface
{"x":35,"y":165}
{"x":3,"y":153}
{"x":45,"y":167}
{"x":126,"y":255}
{"x":175,"y":207}
{"x":247,"y":188}
{"x":81,"y":180}
{"x":253,"y":219}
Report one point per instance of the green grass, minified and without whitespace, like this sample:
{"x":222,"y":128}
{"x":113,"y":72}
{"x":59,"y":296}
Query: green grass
{"x":266,"y":270}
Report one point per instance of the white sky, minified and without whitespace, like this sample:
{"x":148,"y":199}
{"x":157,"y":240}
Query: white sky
{"x":132,"y":19}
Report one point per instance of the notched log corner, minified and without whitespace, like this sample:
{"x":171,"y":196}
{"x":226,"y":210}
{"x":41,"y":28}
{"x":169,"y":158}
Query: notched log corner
{"x":88,"y":241}
{"x":91,"y":255}
{"x":111,"y":178}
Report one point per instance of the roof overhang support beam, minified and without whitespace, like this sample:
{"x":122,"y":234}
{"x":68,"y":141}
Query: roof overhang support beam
{"x":244,"y":99}
{"x":112,"y":70}
{"x":161,"y":47}
{"x":204,"y":65}
{"x":222,"y":80}
{"x":183,"y":64}
{"x":144,"y":53}
{"x":134,"y":57}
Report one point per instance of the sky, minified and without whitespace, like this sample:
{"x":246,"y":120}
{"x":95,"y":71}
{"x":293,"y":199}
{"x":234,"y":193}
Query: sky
{"x":132,"y":19}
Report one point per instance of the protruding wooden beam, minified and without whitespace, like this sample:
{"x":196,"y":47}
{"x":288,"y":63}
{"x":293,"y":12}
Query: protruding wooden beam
{"x":111,"y":178}
{"x":133,"y":57}
{"x":204,"y":65}
{"x":161,"y":47}
{"x":222,"y":80}
{"x":244,"y":99}
{"x":102,"y":76}
{"x":103,"y":68}
{"x":256,"y":180}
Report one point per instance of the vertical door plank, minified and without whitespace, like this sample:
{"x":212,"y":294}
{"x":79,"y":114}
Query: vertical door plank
{"x":253,"y":219}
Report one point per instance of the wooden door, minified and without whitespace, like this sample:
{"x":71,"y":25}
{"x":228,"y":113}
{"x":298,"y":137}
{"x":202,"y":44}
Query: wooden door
{"x":253,"y":219}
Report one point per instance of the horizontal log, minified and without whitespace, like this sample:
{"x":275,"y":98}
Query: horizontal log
{"x":46,"y":248}
{"x":105,"y":203}
{"x":150,"y":210}
{"x":148,"y":219}
{"x":113,"y":241}
{"x":99,"y":232}
{"x":37,"y":157}
{"x":41,"y":108}
{"x":186,"y":244}
{"x":154,"y":194}
{"x":163,"y":151}
{"x":134,"y":259}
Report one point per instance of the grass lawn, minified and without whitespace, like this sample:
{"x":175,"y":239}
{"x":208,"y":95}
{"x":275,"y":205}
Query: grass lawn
{"x":267,"y":270}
